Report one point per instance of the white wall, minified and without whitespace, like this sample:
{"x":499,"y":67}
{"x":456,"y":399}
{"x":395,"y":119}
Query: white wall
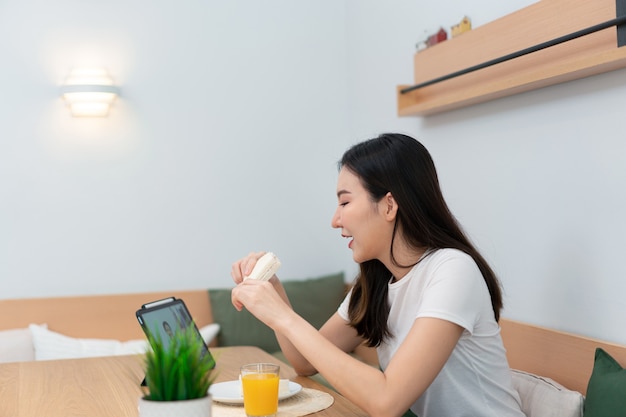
{"x":166,"y":192}
{"x":224,"y":140}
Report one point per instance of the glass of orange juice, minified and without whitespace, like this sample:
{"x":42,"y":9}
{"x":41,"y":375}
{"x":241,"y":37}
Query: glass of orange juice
{"x":260,"y":389}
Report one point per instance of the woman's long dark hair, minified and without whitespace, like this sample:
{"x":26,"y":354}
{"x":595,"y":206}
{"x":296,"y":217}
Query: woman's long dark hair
{"x":401,"y":165}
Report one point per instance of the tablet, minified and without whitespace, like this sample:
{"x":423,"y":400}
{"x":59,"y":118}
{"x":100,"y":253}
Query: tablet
{"x":167,"y":316}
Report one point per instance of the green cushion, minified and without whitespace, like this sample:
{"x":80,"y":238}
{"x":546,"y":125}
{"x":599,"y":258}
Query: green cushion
{"x":606,"y":392}
{"x":315,"y":299}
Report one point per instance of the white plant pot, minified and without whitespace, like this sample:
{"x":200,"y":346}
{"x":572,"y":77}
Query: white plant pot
{"x":200,"y":407}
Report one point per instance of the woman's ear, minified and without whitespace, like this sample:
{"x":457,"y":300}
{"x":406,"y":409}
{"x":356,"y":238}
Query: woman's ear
{"x":391,"y":206}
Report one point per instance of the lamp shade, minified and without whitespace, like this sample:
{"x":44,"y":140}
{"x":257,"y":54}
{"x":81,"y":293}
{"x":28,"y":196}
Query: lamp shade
{"x":89,"y":92}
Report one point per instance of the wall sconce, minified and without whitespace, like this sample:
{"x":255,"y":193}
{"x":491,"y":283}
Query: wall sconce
{"x":89,"y":92}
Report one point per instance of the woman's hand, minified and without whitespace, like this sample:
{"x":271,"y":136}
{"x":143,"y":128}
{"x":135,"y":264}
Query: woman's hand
{"x":262,"y":300}
{"x":268,"y":302}
{"x":243,"y":267}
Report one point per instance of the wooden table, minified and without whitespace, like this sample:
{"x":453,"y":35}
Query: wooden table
{"x":109,"y":386}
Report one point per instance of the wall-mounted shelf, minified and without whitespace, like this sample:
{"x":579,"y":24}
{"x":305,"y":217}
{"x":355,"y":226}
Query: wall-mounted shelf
{"x":544,"y":21}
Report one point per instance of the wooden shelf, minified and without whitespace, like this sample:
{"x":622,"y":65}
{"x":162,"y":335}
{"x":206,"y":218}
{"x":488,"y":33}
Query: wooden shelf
{"x":541,"y":22}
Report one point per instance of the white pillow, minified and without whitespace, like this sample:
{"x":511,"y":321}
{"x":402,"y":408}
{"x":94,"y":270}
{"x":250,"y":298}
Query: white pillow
{"x":544,"y":397}
{"x":52,"y":345}
{"x":209,"y":332}
{"x":16,"y":345}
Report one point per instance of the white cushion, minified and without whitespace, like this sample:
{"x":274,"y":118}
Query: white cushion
{"x":16,"y":345}
{"x":52,"y":345}
{"x":209,"y":332}
{"x":544,"y":397}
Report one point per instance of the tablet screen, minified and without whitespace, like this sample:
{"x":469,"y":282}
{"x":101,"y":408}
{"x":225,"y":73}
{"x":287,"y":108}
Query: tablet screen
{"x":166,"y":317}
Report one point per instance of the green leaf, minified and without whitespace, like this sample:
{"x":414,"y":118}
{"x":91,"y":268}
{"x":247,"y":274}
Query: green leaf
{"x":178,"y":371}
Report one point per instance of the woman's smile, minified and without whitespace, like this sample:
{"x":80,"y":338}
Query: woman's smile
{"x":360,"y":219}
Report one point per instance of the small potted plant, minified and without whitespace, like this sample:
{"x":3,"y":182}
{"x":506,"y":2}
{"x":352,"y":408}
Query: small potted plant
{"x":178,"y":376}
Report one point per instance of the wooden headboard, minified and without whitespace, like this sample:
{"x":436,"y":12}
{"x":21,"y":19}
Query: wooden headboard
{"x":566,"y":358}
{"x":96,"y":316}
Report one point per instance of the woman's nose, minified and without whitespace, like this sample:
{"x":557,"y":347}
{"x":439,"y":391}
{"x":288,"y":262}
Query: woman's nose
{"x":335,"y":222}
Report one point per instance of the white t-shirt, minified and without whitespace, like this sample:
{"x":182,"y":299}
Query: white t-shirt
{"x":476,"y":379}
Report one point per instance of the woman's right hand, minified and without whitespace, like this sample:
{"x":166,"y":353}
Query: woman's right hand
{"x":243,"y":267}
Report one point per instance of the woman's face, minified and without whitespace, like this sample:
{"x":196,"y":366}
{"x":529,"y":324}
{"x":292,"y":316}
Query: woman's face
{"x":364,"y":222}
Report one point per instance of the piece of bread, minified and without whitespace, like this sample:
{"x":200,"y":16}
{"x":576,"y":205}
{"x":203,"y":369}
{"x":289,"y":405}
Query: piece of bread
{"x":265,"y":267}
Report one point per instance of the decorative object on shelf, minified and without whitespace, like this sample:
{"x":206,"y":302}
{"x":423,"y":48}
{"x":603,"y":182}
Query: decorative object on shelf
{"x":432,"y":40}
{"x":89,"y":92}
{"x":436,"y":38}
{"x":463,"y":26}
{"x":178,"y":377}
{"x":546,"y":43}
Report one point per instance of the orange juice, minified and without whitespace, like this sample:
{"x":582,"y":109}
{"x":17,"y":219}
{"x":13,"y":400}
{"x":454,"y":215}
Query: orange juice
{"x":260,"y":393}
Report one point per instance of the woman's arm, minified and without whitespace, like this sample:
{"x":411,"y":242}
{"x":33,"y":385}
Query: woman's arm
{"x":335,"y":330}
{"x":415,"y":365}
{"x":412,"y":369}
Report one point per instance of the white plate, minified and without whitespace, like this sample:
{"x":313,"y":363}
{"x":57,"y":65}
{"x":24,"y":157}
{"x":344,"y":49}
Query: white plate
{"x":229,"y":392}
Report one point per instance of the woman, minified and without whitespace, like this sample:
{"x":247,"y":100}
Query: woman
{"x":424,"y":297}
